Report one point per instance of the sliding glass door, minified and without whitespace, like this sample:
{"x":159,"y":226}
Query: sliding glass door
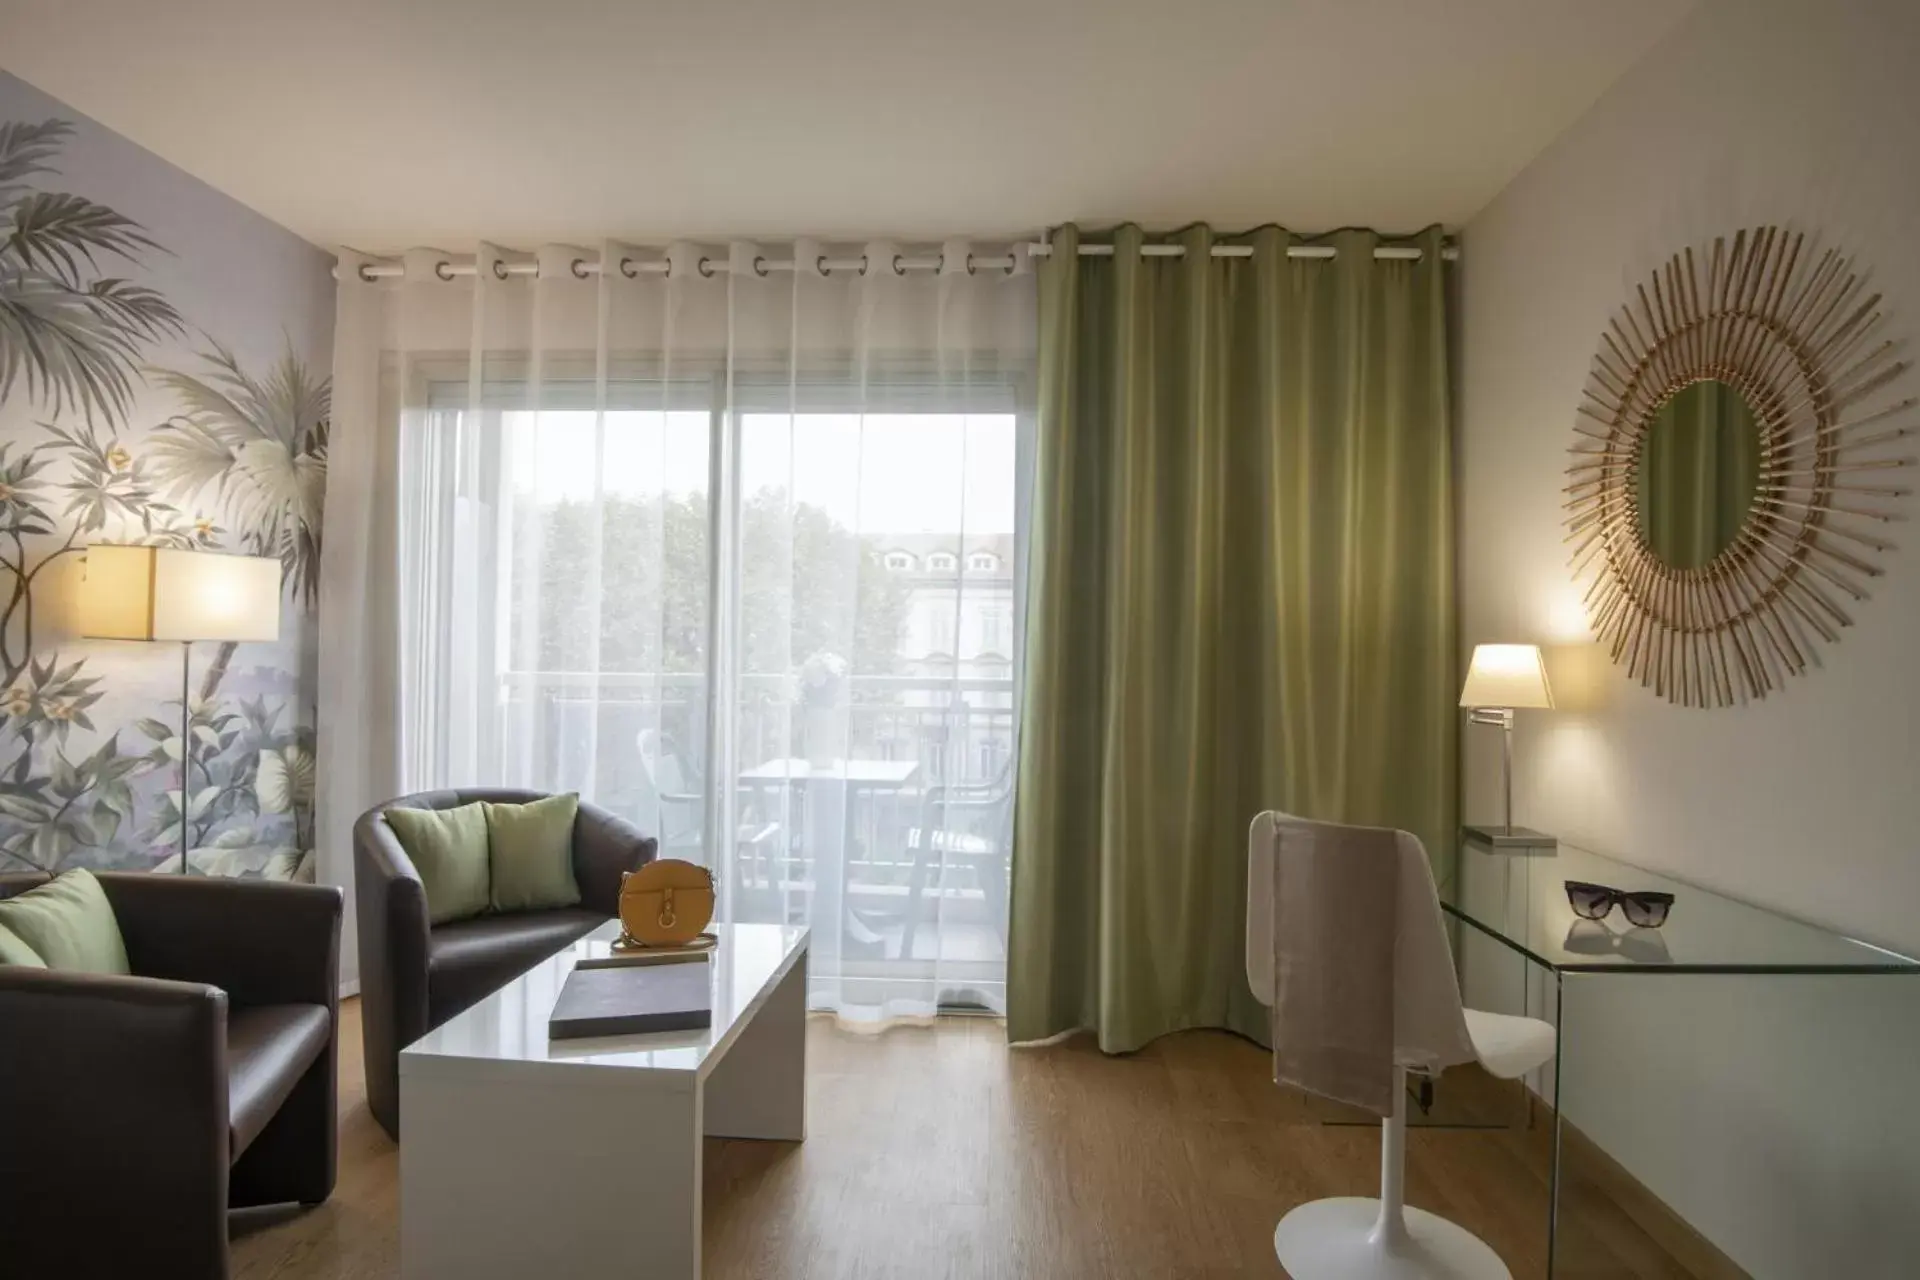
{"x":872,"y":732}
{"x":773,"y":622}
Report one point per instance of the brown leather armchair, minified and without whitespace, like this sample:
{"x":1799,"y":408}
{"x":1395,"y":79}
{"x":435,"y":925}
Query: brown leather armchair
{"x":414,"y":976}
{"x":136,"y":1110}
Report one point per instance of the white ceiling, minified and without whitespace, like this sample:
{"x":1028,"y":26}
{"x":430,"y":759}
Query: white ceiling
{"x":387,"y":124}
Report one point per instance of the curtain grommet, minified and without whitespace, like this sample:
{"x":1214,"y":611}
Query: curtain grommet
{"x":443,"y":269}
{"x":579,"y":268}
{"x":820,"y":264}
{"x":705,"y":267}
{"x":499,"y":269}
{"x":760,"y":266}
{"x":897,"y":268}
{"x":970,"y":270}
{"x":628,"y":270}
{"x":863,"y":264}
{"x":365,"y":272}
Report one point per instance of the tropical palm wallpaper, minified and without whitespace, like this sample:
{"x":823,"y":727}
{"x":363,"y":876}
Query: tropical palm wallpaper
{"x":122,"y":419}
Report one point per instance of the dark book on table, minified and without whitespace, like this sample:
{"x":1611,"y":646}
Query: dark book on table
{"x":630,"y":1000}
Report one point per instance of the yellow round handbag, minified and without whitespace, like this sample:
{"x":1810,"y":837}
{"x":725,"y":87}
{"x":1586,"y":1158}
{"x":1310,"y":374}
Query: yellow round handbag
{"x":666,"y":903}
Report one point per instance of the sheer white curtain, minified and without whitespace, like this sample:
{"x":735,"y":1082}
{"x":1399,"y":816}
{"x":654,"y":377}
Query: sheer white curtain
{"x":726,"y":538}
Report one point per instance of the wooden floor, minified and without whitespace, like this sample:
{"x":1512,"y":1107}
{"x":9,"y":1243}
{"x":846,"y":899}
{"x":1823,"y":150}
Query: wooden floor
{"x":940,"y":1153}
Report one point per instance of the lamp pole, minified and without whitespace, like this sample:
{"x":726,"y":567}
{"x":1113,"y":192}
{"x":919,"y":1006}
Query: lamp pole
{"x":1502,"y":716}
{"x":1506,"y":769}
{"x":186,"y":745}
{"x":1506,"y":834}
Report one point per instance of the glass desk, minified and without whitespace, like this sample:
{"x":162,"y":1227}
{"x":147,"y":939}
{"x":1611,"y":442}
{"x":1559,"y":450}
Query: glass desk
{"x":1628,"y":1051}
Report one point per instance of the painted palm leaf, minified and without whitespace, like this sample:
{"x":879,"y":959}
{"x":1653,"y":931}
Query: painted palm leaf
{"x":71,"y":341}
{"x":61,"y":234}
{"x":188,"y":457}
{"x":259,"y":447}
{"x":27,"y":148}
{"x":287,"y":407}
{"x":283,"y":780}
{"x":75,"y":348}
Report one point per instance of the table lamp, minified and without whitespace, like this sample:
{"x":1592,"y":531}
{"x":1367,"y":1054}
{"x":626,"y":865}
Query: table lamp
{"x":1501,"y":678}
{"x":159,"y":593}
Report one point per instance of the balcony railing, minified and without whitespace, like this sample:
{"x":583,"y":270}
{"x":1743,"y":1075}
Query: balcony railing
{"x":587,"y":728}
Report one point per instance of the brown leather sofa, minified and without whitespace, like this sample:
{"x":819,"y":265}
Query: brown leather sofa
{"x":136,"y":1110}
{"x":415,"y":976}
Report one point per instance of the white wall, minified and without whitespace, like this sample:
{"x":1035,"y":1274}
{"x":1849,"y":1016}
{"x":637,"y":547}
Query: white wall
{"x":1773,"y":1115}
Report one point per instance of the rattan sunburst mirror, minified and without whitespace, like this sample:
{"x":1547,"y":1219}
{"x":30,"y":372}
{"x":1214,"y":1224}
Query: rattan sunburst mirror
{"x":1736,"y":465}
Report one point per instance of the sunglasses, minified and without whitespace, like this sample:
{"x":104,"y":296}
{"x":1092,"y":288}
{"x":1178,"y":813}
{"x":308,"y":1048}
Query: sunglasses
{"x":1646,"y":909}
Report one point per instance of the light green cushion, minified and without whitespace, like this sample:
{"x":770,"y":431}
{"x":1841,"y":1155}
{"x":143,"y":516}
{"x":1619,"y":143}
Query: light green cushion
{"x":533,"y":854}
{"x":449,"y":850}
{"x":14,"y":951}
{"x":69,"y":924}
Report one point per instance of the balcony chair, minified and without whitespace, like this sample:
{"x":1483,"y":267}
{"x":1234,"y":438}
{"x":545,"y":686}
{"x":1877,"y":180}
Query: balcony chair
{"x":966,"y":824}
{"x":136,"y":1110}
{"x":676,"y":784}
{"x":1355,"y":1238}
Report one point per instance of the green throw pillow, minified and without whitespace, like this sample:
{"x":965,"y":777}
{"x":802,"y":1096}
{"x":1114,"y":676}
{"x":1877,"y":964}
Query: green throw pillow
{"x":449,"y":850}
{"x":68,"y":924}
{"x":14,"y":951}
{"x":533,"y":854}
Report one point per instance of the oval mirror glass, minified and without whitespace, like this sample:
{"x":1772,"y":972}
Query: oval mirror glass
{"x":1699,"y":472}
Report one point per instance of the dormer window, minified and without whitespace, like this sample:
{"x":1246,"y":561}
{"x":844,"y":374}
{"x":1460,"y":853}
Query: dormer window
{"x":899,"y":560}
{"x":942,"y":560}
{"x":982,"y":562}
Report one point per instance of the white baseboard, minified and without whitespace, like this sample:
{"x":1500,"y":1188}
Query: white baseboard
{"x":351,"y":987}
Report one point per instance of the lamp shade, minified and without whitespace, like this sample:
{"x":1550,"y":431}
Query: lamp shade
{"x":1506,"y":675}
{"x":158,"y":593}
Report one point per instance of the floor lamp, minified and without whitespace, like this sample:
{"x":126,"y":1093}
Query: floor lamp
{"x":162,"y":594}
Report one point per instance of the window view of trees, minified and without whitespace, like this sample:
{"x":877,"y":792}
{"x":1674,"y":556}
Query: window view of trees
{"x":831,"y":593}
{"x":872,"y":573}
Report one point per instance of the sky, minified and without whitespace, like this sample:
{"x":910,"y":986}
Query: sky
{"x":882,"y":473}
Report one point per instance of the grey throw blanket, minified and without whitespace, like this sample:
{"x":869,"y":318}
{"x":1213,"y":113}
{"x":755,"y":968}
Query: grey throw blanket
{"x":1332,"y":929}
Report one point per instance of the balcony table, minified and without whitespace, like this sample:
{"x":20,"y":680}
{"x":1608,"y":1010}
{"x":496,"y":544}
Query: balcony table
{"x":830,"y":790}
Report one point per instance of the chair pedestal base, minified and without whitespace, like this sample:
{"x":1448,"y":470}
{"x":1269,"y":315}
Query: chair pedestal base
{"x":1337,"y":1240}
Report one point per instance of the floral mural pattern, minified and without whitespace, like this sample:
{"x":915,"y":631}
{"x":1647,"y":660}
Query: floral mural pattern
{"x":91,"y":773}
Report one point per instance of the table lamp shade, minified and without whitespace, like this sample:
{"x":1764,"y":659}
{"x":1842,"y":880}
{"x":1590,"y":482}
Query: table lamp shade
{"x":1506,"y":675}
{"x":158,"y":593}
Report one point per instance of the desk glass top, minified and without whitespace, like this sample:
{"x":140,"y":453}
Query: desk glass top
{"x":1520,"y":899}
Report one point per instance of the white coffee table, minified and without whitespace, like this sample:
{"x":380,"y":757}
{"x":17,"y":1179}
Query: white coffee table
{"x":521,"y":1158}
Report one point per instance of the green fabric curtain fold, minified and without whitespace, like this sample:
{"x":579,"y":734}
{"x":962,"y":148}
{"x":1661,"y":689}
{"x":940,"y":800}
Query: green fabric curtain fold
{"x":1240,"y":598}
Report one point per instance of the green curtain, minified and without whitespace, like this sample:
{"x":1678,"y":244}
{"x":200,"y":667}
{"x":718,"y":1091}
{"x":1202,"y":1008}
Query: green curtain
{"x":1240,"y":598}
{"x":1699,"y":472}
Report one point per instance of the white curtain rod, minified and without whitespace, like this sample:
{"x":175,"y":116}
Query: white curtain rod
{"x":1394,"y":253}
{"x":634,"y":267}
